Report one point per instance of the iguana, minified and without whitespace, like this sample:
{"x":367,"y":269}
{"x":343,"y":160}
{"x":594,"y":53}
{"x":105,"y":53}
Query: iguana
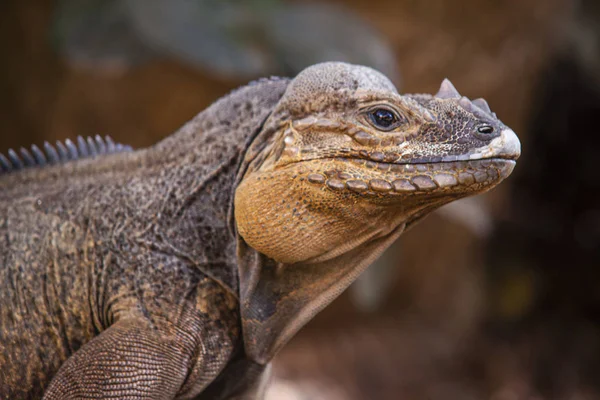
{"x":180,"y":270}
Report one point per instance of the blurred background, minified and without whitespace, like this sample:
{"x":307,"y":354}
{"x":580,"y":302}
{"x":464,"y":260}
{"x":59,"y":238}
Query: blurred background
{"x":495,"y":297}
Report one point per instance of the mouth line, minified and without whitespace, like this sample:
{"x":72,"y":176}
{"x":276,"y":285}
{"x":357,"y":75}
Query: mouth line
{"x":424,"y":165}
{"x":377,"y":178}
{"x":377,"y":158}
{"x":424,"y":161}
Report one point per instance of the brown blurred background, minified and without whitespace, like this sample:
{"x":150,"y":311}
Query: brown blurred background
{"x":495,"y":298}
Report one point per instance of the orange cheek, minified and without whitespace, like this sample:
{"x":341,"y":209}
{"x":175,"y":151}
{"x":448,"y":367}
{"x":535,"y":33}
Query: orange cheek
{"x":277,"y":215}
{"x":290,"y":219}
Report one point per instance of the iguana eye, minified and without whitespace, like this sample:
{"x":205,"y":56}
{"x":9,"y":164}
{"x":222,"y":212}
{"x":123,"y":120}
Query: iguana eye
{"x":383,"y":119}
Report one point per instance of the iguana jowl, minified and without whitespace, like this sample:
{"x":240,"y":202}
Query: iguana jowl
{"x":179,"y":271}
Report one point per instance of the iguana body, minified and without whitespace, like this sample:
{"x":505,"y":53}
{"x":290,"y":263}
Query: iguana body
{"x":178,"y":271}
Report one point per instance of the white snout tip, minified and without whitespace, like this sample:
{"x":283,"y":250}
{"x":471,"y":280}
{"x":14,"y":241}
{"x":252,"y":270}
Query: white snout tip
{"x":507,"y":145}
{"x":510,"y":145}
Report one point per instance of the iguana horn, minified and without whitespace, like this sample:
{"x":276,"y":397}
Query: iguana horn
{"x":447,"y":91}
{"x":465,"y":103}
{"x":474,"y":107}
{"x":481,"y":103}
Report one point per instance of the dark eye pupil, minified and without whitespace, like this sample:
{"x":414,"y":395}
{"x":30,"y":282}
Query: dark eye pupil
{"x":383,"y":118}
{"x":485,"y":129}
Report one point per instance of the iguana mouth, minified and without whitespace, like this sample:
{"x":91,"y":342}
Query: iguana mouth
{"x":402,"y":171}
{"x":369,"y":177}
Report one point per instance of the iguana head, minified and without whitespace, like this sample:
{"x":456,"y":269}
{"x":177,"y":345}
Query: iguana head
{"x":349,"y":163}
{"x":351,"y":155}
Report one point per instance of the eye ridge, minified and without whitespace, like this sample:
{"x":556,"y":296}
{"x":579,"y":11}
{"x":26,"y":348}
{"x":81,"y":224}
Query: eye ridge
{"x":383,"y":118}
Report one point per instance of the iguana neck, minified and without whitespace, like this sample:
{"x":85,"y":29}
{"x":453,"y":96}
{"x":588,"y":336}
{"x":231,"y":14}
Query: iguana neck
{"x":195,"y":171}
{"x":278,"y":298}
{"x":231,"y":122}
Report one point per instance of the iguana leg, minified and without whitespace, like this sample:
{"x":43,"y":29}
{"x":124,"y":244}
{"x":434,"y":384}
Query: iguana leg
{"x":130,"y":360}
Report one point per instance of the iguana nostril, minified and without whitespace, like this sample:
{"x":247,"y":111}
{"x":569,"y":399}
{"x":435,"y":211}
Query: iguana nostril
{"x":485,"y":130}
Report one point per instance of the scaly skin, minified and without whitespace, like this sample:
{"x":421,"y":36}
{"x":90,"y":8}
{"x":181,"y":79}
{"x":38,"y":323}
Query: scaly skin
{"x":179,"y":271}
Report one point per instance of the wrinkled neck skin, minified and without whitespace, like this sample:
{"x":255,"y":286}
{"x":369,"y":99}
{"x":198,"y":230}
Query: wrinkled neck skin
{"x":314,"y":243}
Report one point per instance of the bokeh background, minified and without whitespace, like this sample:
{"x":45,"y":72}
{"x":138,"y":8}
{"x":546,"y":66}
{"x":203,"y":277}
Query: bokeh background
{"x":495,"y":297}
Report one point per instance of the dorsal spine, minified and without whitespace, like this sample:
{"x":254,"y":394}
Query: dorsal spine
{"x":63,"y":152}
